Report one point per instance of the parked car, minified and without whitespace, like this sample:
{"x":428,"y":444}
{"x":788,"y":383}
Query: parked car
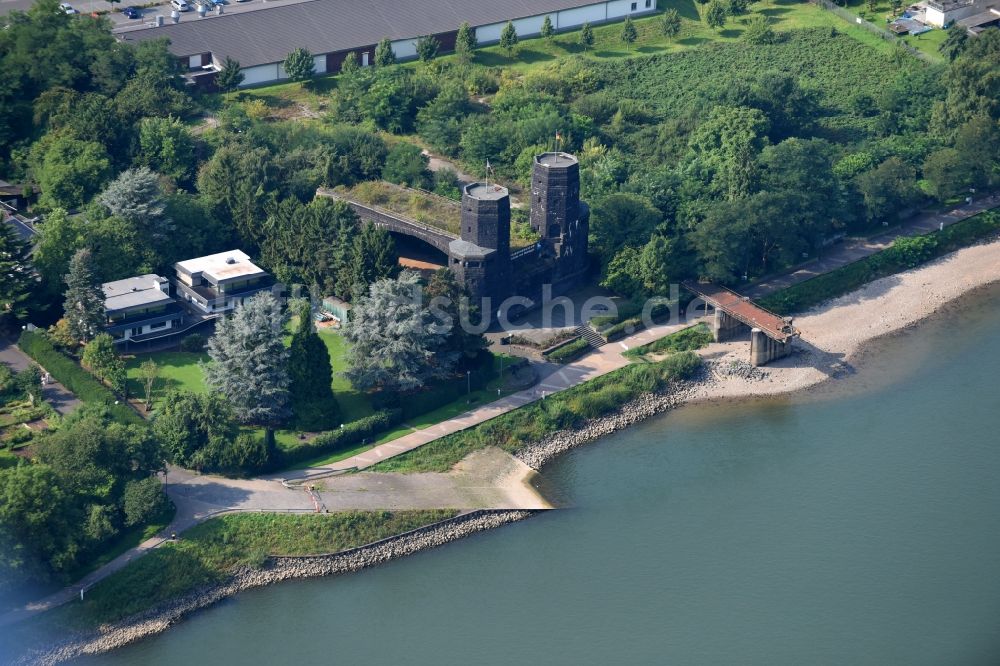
{"x":132,"y":12}
{"x":180,"y":5}
{"x":67,"y":8}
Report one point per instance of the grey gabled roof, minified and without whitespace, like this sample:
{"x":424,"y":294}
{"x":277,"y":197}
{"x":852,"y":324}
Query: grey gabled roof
{"x":325,"y":26}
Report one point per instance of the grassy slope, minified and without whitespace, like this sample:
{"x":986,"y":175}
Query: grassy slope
{"x":207,"y":553}
{"x":785,"y":15}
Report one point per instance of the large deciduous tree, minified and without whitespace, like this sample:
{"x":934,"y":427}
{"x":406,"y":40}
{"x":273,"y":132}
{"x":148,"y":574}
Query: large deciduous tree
{"x":166,"y":146}
{"x":69,"y":171}
{"x":249,"y":362}
{"x":84,"y":303}
{"x":396,"y":345}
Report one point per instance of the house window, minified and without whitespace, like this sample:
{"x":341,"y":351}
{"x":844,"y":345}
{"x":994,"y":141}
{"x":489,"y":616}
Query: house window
{"x":634,"y":5}
{"x":159,"y":324}
{"x":136,"y":331}
{"x":649,"y":3}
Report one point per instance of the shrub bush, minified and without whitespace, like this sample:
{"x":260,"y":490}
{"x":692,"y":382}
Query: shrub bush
{"x":193,"y":343}
{"x":351,"y":434}
{"x":569,"y":352}
{"x":77,"y":380}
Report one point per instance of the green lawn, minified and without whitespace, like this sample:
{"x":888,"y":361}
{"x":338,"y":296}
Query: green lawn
{"x":207,"y":553}
{"x":178,"y":370}
{"x":353,"y":403}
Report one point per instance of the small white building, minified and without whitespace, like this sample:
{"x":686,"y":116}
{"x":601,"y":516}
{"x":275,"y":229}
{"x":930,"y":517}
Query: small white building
{"x":942,"y":13}
{"x":220,"y":282}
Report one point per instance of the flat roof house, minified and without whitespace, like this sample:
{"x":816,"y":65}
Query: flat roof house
{"x":330,"y":29}
{"x":141,"y":308}
{"x":220,"y":282}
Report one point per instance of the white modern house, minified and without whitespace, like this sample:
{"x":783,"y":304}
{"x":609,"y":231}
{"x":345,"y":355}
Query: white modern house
{"x":140,"y":308}
{"x":219,"y":282}
{"x":330,"y":29}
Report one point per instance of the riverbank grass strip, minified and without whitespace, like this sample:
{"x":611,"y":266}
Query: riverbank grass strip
{"x":207,"y":553}
{"x":566,"y":409}
{"x":687,"y":339}
{"x":904,"y":254}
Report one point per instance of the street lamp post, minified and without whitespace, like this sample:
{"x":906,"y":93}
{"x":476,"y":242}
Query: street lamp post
{"x":468,"y":386}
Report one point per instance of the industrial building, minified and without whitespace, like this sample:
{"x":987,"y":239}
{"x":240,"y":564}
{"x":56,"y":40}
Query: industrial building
{"x":330,"y":29}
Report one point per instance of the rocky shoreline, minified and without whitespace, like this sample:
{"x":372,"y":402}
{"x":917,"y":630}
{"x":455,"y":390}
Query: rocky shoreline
{"x":537,"y":454}
{"x":149,"y":623}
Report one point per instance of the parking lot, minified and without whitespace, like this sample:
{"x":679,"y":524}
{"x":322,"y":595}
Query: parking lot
{"x":149,"y":14}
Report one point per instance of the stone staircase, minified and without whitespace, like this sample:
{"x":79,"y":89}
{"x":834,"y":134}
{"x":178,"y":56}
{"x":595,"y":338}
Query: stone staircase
{"x":592,"y":337}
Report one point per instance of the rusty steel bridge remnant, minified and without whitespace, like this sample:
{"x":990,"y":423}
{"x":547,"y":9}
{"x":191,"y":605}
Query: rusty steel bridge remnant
{"x":771,"y":335}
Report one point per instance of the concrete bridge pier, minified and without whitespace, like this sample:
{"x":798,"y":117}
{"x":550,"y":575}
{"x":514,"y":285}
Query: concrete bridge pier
{"x":724,"y":326}
{"x":764,"y":349}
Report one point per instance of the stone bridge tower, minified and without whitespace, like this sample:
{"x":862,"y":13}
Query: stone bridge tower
{"x":557,"y":214}
{"x":480,"y":259}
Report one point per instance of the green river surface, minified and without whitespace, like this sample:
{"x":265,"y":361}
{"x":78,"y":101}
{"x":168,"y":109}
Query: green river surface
{"x":856,"y":524}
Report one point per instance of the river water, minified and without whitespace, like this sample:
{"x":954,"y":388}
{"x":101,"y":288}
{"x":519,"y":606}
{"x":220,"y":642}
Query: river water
{"x":857,"y":525}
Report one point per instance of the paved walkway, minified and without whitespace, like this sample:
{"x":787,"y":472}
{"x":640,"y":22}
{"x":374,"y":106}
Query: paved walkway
{"x":54,"y":393}
{"x":600,"y":362}
{"x":851,"y":251}
{"x":477,"y":482}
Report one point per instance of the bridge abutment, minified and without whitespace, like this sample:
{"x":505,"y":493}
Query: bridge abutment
{"x":724,"y":326}
{"x":764,"y":349}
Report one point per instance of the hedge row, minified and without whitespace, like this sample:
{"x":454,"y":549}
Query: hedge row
{"x":569,"y":352}
{"x":78,"y":381}
{"x":352,"y":434}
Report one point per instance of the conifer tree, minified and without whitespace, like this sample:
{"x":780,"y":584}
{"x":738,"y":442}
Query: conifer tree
{"x":311,"y":377}
{"x":16,"y":281}
{"x":374,"y":256}
{"x":230,"y":76}
{"x":84,"y":304}
{"x":547,"y":31}
{"x":249,"y":362}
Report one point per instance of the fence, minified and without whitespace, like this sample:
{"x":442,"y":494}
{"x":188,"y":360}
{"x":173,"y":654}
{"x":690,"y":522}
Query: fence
{"x":871,"y":27}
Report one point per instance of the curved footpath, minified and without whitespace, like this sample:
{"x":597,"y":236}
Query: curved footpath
{"x":833,"y":334}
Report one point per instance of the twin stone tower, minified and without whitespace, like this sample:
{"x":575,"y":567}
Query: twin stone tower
{"x":482,"y":259}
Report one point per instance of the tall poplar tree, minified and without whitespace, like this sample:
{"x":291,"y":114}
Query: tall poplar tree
{"x":84,"y":304}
